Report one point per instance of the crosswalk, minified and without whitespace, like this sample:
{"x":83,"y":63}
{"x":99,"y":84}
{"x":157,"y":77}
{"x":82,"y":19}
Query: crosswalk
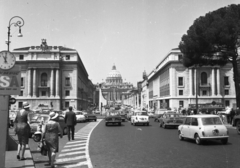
{"x":75,"y":154}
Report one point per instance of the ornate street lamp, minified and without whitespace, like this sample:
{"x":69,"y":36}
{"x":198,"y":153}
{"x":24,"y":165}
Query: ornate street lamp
{"x":19,"y":23}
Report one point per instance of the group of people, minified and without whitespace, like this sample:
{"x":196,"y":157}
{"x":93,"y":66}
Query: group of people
{"x":50,"y":133}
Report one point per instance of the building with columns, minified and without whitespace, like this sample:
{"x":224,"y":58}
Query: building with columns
{"x":114,"y":90}
{"x":54,"y":76}
{"x":170,"y":84}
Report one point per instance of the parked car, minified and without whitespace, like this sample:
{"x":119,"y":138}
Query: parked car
{"x":171,"y":119}
{"x":37,"y":120}
{"x":113,"y":117}
{"x":140,"y":117}
{"x":151,"y":114}
{"x":203,"y":127}
{"x":236,"y":123}
{"x":80,"y":116}
{"x":90,"y":117}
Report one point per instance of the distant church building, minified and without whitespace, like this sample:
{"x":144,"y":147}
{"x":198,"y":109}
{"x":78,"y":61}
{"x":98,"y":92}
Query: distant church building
{"x":114,"y":90}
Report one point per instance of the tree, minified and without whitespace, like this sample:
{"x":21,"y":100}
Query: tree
{"x":214,"y":39}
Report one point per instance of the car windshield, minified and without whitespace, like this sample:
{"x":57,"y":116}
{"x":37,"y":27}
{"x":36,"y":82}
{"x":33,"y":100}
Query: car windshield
{"x":142,"y":113}
{"x":211,"y":121}
{"x":79,"y":113}
{"x":174,"y":115}
{"x":43,"y":118}
{"x":113,"y":113}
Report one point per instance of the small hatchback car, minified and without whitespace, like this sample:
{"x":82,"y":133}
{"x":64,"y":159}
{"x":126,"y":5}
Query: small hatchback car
{"x":203,"y":127}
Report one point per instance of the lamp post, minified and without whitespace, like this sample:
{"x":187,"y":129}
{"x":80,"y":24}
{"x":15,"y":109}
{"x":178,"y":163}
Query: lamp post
{"x":19,"y":23}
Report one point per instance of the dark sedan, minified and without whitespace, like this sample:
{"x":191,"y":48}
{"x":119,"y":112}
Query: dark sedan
{"x":171,"y":119}
{"x":91,"y":117}
{"x":113,"y":117}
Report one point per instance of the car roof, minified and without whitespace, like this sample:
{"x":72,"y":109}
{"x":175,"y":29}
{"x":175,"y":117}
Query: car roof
{"x":203,"y":116}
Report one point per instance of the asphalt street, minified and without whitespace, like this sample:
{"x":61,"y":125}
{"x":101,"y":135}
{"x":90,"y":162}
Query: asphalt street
{"x":130,"y":146}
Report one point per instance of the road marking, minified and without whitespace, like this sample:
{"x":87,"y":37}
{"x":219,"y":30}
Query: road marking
{"x":69,"y":146}
{"x":78,"y":147}
{"x":83,"y":141}
{"x":71,"y":153}
{"x":71,"y":149}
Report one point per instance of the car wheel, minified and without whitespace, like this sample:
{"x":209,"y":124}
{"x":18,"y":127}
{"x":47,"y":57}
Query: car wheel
{"x":119,"y":123}
{"x":224,"y":141}
{"x":180,"y":136}
{"x":197,"y":139}
{"x":95,"y":120}
{"x":238,"y":127}
{"x":65,"y":131}
{"x":134,"y":124}
{"x":106,"y":124}
{"x":160,"y":125}
{"x":147,"y":124}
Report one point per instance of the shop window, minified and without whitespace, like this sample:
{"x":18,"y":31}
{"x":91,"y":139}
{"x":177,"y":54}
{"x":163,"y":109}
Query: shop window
{"x":227,"y":103}
{"x":20,"y":104}
{"x":66,"y":105}
{"x":181,"y":103}
{"x":44,"y":93}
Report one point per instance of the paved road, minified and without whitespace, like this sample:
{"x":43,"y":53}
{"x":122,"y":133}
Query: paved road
{"x":130,"y":146}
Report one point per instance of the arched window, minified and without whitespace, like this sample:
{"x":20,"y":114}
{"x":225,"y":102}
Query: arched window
{"x":44,"y":79}
{"x":203,"y":78}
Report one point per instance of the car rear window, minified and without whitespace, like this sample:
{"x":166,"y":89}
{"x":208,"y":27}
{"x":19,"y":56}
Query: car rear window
{"x":211,"y":121}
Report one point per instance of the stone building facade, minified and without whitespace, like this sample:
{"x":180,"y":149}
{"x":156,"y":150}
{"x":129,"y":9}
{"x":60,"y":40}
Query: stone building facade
{"x":172,"y":85}
{"x":54,"y":76}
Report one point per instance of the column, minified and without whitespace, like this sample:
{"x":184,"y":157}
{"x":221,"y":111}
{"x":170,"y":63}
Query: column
{"x":218,"y":81}
{"x":57,"y":82}
{"x":195,"y":81}
{"x":51,"y":83}
{"x":29,"y":82}
{"x":190,"y":83}
{"x":34,"y":82}
{"x":213,"y":82}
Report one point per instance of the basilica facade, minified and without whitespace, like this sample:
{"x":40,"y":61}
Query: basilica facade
{"x":114,"y":89}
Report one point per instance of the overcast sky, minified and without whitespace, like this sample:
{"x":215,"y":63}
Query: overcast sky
{"x":134,"y":35}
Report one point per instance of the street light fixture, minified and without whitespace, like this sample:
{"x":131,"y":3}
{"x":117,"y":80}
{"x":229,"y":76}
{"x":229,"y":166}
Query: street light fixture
{"x":19,"y":23}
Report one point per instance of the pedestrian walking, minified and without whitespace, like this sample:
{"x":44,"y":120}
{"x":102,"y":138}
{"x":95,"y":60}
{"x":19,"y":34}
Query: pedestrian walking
{"x":71,"y":121}
{"x":51,"y":131}
{"x":22,"y":129}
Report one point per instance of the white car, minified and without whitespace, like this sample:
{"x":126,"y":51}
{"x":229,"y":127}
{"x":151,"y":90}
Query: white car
{"x":140,"y":117}
{"x":80,"y":116}
{"x":203,"y":127}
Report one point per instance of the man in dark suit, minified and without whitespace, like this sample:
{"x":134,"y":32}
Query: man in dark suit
{"x":71,"y":121}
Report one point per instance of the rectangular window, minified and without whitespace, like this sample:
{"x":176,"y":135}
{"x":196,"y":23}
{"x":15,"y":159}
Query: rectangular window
{"x":66,"y":105}
{"x":180,"y":57}
{"x":180,"y":81}
{"x":204,"y":92}
{"x":67,"y":81}
{"x":20,"y":104}
{"x":226,"y":92}
{"x":44,"y":93}
{"x":21,"y":93}
{"x":67,"y":93}
{"x":180,"y":92}
{"x":21,"y":57}
{"x":194,"y":122}
{"x":67,"y":57}
{"x":181,"y":103}
{"x":226,"y":80}
{"x":227,"y":103}
{"x":22,"y":82}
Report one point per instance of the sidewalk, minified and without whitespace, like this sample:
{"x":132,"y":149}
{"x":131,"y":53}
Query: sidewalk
{"x":11,"y":160}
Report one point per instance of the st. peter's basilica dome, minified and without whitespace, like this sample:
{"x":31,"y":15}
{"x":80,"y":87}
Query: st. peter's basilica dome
{"x":114,"y":76}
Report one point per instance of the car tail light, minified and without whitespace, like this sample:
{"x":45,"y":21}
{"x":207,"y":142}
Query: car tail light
{"x":203,"y":133}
